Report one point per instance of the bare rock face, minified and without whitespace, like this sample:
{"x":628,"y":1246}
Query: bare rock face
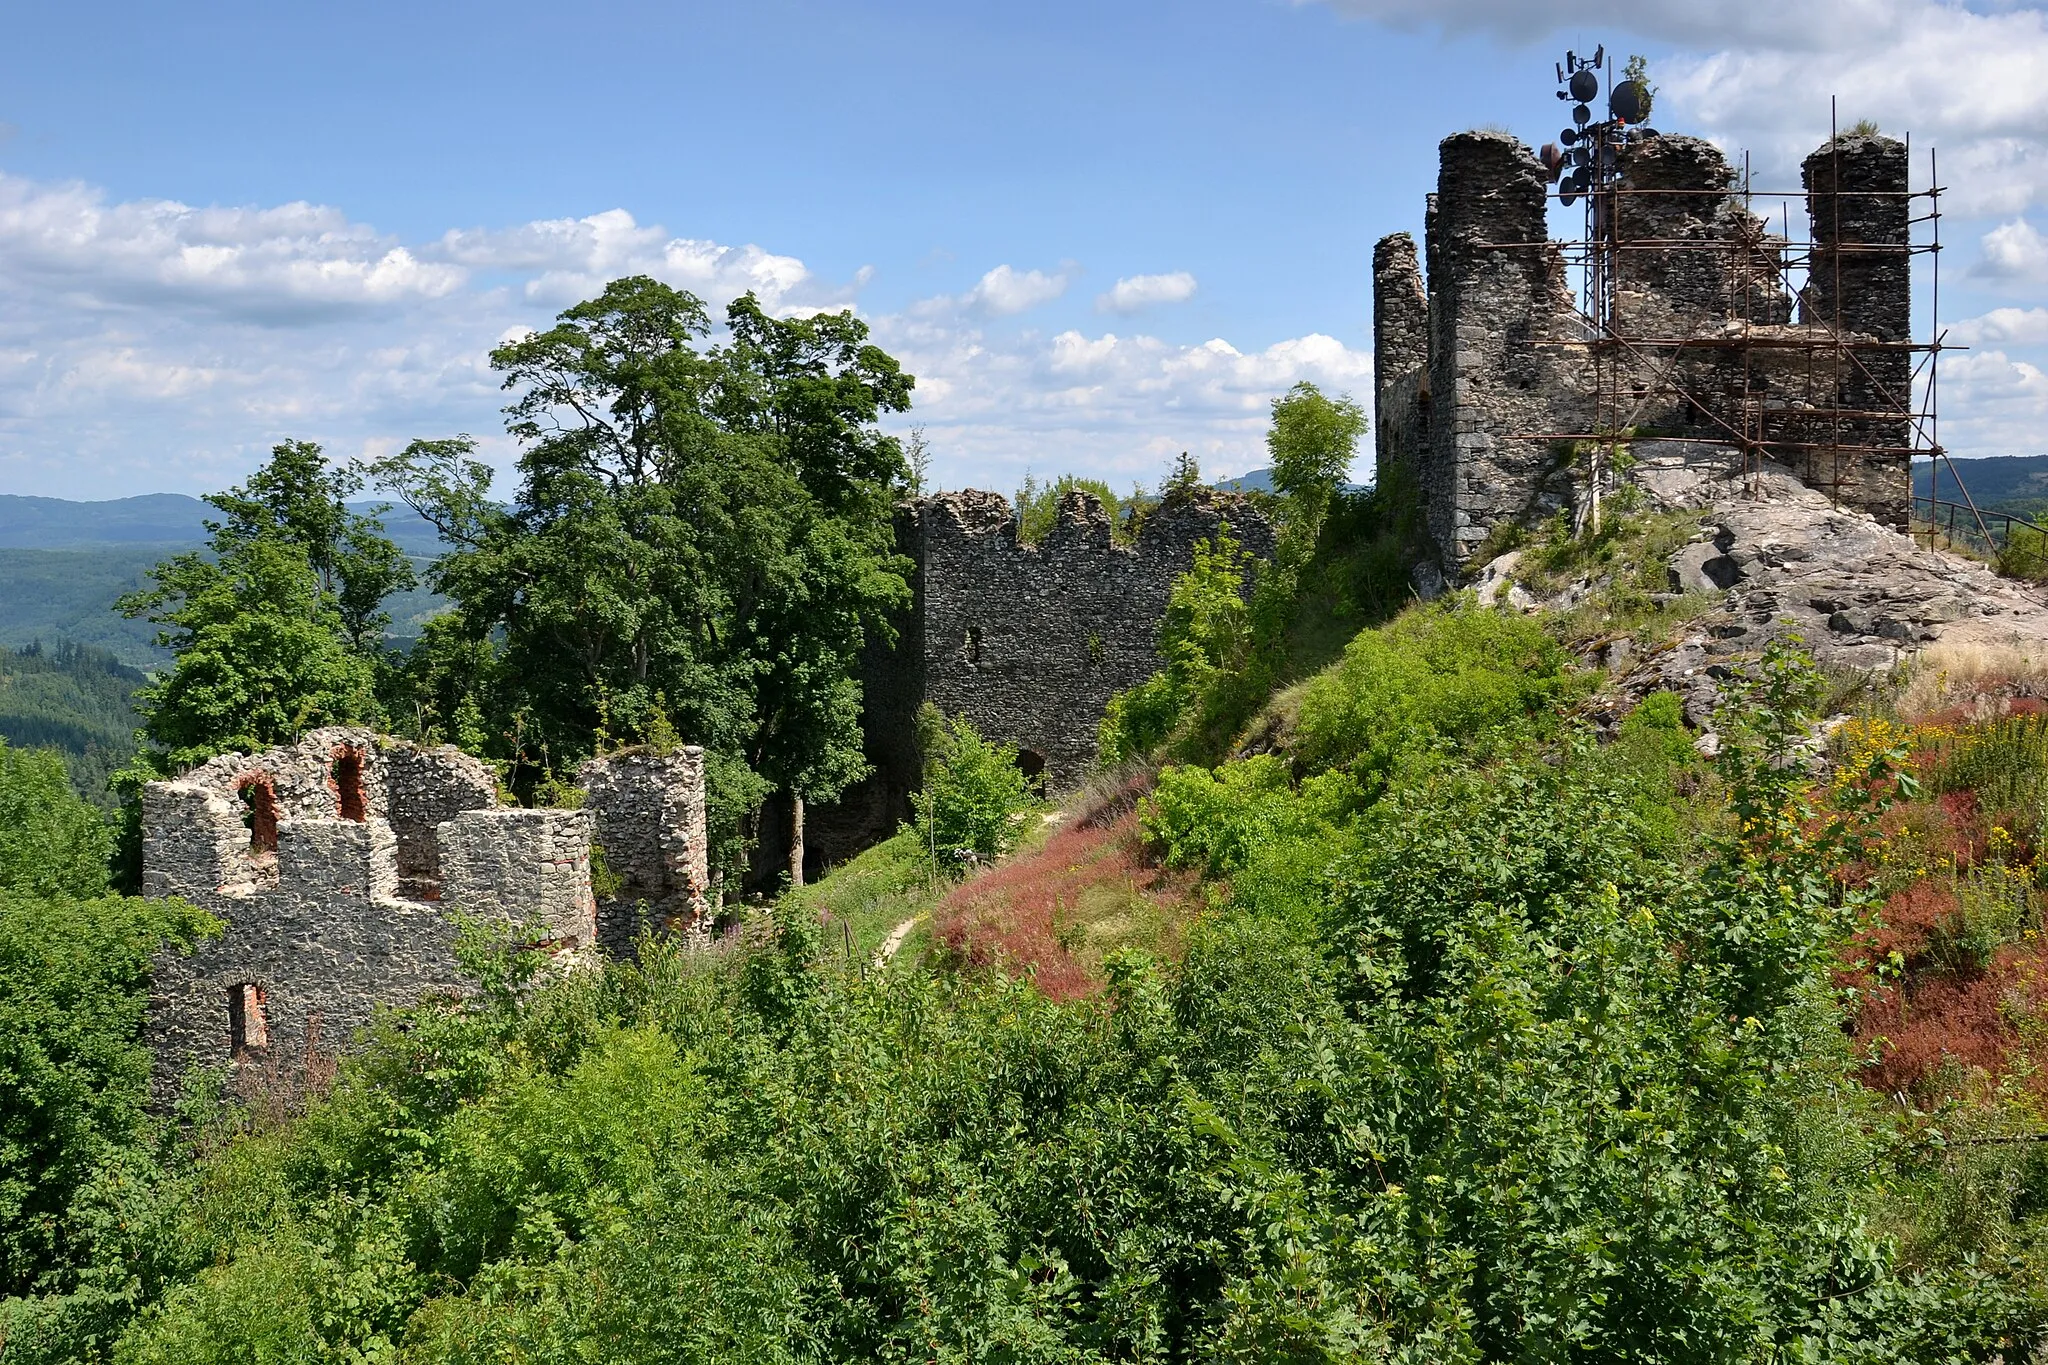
{"x":1790,"y":563}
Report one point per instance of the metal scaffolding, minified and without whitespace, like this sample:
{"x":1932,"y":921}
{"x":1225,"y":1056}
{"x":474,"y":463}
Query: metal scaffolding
{"x":1764,"y":365}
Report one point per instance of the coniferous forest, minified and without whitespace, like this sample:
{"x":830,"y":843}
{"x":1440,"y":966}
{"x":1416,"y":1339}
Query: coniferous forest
{"x":1396,"y":990}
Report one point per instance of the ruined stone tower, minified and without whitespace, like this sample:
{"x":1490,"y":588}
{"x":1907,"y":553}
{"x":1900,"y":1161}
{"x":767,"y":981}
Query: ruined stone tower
{"x":1704,"y":339}
{"x":339,"y":865}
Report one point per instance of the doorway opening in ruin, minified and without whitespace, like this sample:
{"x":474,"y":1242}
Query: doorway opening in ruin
{"x":259,"y":796}
{"x":346,"y":776}
{"x":974,"y":644}
{"x":1032,"y":764}
{"x":248,"y":1028}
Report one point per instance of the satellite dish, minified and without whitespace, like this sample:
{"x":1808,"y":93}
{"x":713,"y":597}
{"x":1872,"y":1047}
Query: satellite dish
{"x":1568,"y":136}
{"x":1568,"y":193}
{"x":1552,"y":159}
{"x":1584,"y":85}
{"x":1629,"y":102}
{"x":1581,"y":115}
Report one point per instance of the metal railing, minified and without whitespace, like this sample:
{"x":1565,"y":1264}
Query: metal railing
{"x":1959,"y":523}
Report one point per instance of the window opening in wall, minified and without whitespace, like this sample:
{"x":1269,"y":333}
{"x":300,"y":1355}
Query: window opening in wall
{"x":1032,"y":764}
{"x":347,"y":776}
{"x":259,"y":797}
{"x":974,"y":644}
{"x":248,"y":1029}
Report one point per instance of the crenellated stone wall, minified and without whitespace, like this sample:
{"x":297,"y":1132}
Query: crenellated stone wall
{"x":1027,"y":642}
{"x":339,"y":865}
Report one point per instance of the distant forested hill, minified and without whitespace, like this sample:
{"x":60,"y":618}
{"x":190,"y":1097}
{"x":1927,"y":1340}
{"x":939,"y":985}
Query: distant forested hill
{"x":62,"y":565}
{"x":75,"y":699}
{"x":2009,"y":483}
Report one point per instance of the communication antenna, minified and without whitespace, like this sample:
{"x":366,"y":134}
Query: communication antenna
{"x":1585,"y":161}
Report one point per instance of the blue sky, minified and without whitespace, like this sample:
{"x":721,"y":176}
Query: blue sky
{"x":1099,"y":234}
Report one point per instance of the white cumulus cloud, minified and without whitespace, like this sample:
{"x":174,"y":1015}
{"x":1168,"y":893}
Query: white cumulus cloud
{"x":1004,"y":291}
{"x":2013,"y":251}
{"x":1136,"y":292}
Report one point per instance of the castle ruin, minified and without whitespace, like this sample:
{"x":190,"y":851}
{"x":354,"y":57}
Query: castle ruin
{"x":1493,"y":382}
{"x":1027,"y":641}
{"x":340,"y":865}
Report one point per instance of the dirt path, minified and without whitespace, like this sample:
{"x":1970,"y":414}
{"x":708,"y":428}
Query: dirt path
{"x":895,"y":939}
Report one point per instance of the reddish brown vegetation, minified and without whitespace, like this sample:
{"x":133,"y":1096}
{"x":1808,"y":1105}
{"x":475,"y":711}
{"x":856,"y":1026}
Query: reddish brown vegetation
{"x":1034,"y":913}
{"x":1921,"y":1016}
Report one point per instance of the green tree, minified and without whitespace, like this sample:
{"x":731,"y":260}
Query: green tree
{"x":74,"y":972}
{"x":701,"y":533}
{"x":51,"y":842}
{"x":262,"y":654}
{"x":1038,"y":505}
{"x":973,"y":792}
{"x":275,"y":626}
{"x":1215,"y":678}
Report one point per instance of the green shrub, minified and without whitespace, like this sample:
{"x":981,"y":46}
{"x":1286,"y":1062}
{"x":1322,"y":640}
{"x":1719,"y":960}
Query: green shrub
{"x":74,"y":983}
{"x":1440,"y":674}
{"x":972,"y":797}
{"x":1205,"y":625}
{"x":1215,"y":820}
{"x":51,"y":842}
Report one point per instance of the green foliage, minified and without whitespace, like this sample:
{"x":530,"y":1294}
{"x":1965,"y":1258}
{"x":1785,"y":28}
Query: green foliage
{"x":2005,"y":762}
{"x":51,"y":842}
{"x":702,"y":540}
{"x":73,"y":986}
{"x":1312,"y":442}
{"x":1038,"y":506}
{"x":1638,"y":69}
{"x":1510,"y":1085}
{"x":973,"y":796}
{"x":1225,"y":650}
{"x":72,"y":698}
{"x":1446,"y":674}
{"x":2024,"y":555}
{"x":1205,"y":624}
{"x":1216,"y":820}
{"x":68,"y":595}
{"x":275,"y":628}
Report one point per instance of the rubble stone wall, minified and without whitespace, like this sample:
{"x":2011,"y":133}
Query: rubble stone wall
{"x":649,"y":820}
{"x":340,"y":915}
{"x":1030,"y":642}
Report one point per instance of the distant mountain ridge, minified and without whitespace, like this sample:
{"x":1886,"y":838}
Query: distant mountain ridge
{"x":28,"y":523}
{"x":2006,"y":483}
{"x":63,"y":564}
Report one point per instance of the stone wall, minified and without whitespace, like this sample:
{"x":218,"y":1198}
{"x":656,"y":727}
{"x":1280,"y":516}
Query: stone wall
{"x":1710,"y":347}
{"x":1027,"y":642}
{"x":339,"y":864}
{"x":649,"y":813}
{"x":1400,"y":338}
{"x":1499,"y":382}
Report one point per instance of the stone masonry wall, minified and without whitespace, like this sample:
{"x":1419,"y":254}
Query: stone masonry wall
{"x":649,"y":813}
{"x":1400,"y":332}
{"x":1029,"y":642}
{"x":1711,"y":347}
{"x":302,"y":853}
{"x":1499,"y":384}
